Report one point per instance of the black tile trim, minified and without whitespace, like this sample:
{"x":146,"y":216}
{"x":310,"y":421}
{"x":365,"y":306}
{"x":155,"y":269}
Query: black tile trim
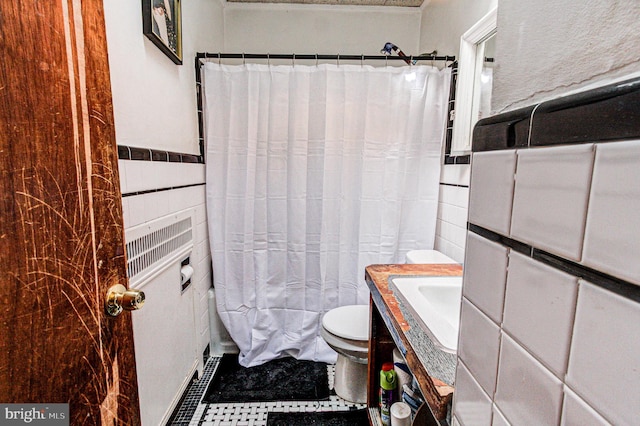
{"x":607,"y":113}
{"x":170,"y":188}
{"x":124,"y":153}
{"x":141,"y":154}
{"x":518,"y":246}
{"x":457,"y":159}
{"x":503,"y":131}
{"x":147,"y":154}
{"x":608,"y":282}
{"x":454,"y":184}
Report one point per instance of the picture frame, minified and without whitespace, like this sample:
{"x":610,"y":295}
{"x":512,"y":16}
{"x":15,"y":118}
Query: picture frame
{"x":162,"y":24}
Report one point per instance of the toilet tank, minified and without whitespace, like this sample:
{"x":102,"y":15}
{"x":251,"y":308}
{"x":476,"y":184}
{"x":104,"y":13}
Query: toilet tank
{"x":427,"y":257}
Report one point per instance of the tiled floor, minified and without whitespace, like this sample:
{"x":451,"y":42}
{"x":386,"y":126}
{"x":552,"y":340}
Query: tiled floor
{"x":192,"y":412}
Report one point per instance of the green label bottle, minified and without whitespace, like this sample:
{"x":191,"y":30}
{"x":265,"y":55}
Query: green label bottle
{"x":388,"y":384}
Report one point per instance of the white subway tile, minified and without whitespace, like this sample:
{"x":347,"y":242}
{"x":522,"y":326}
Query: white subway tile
{"x":453,"y":233}
{"x":201,"y":213}
{"x":439,"y":227}
{"x":471,"y":405}
{"x":604,"y":364}
{"x":157,"y":204}
{"x":577,"y":412}
{"x":137,"y":211}
{"x":453,"y":251}
{"x":125,"y":213}
{"x":123,"y":176}
{"x":454,"y":195}
{"x":612,"y":236}
{"x":202,"y":232}
{"x":139,"y":176}
{"x":485,"y":273}
{"x":491,"y":191}
{"x":498,"y":418}
{"x":539,"y":310}
{"x":550,"y":198}
{"x":479,"y":345}
{"x":453,"y":214}
{"x":527,"y":393}
{"x":455,"y":174}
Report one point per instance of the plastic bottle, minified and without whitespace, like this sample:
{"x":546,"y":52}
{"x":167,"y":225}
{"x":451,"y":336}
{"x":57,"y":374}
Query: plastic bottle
{"x":388,"y":384}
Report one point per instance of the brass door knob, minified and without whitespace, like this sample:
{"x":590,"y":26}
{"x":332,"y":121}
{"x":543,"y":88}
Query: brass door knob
{"x":120,"y":298}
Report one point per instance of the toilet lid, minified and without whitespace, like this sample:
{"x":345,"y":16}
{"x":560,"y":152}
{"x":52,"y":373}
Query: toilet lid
{"x":348,"y":322}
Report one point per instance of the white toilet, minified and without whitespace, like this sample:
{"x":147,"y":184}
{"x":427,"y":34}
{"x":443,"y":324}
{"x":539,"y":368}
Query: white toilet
{"x":346,"y":331}
{"x":428,"y":256}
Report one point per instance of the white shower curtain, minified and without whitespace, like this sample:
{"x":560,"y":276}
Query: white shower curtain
{"x":314,"y":173}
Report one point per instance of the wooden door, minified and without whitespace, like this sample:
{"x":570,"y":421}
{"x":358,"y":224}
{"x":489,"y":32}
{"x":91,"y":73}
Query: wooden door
{"x":61,"y":232}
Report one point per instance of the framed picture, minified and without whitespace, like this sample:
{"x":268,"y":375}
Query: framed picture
{"x":162,"y":24}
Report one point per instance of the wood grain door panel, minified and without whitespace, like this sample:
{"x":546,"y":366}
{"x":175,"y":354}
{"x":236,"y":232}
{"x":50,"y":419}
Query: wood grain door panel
{"x":61,"y":234}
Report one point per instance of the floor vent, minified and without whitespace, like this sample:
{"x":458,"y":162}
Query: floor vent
{"x":152,"y":246}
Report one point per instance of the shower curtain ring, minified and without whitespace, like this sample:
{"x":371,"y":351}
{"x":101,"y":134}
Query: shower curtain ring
{"x":316,"y":59}
{"x":268,"y":60}
{"x":362,"y":60}
{"x":243,"y":59}
{"x":338,"y":60}
{"x":410,"y":61}
{"x":293,"y":60}
{"x":219,"y":54}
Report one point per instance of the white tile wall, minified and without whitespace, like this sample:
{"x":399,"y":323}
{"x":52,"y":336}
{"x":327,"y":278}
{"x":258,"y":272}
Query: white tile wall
{"x":451,"y":224}
{"x":577,"y":412}
{"x":472,"y":404}
{"x":527,"y":393}
{"x":550,"y":198}
{"x":485,"y":274}
{"x":479,"y":346}
{"x":138,"y":176}
{"x":569,"y":350}
{"x":612,"y":237}
{"x":539,"y":310}
{"x":568,"y":355}
{"x":491,"y":194}
{"x":456,"y":174}
{"x":604,"y":366}
{"x":498,"y":418}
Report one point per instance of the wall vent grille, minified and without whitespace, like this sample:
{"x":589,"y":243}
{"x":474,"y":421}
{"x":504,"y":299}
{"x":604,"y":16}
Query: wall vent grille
{"x":154,"y":245}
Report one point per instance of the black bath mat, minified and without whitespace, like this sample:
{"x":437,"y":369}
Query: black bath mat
{"x":285,"y":379}
{"x":324,"y":418}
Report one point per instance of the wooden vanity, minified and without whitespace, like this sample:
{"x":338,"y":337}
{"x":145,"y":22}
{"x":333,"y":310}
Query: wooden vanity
{"x":390,"y":328}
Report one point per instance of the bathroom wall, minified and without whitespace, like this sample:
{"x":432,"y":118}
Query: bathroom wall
{"x":279,"y":28}
{"x":444,"y":21}
{"x":551,"y":288}
{"x":441,"y":26}
{"x":154,"y":99}
{"x":548,"y":48}
{"x":535,"y":316}
{"x":155,"y":109}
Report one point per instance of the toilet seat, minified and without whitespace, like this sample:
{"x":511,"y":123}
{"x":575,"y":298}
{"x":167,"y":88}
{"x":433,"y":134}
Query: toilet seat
{"x":356,"y":349}
{"x":346,"y":331}
{"x":348,"y":322}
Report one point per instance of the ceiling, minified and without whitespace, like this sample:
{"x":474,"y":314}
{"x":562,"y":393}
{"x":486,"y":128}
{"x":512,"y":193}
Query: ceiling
{"x":402,"y":3}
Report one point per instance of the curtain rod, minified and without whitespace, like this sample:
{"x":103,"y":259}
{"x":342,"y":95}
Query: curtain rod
{"x":316,"y":57}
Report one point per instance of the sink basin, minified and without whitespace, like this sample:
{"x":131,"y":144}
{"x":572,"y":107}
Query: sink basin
{"x":435,"y":303}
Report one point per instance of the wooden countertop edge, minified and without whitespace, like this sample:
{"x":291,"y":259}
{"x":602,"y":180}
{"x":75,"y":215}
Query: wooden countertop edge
{"x":437,"y":393}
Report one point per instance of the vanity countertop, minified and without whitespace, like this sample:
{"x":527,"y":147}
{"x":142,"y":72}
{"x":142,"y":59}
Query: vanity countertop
{"x":433,"y":368}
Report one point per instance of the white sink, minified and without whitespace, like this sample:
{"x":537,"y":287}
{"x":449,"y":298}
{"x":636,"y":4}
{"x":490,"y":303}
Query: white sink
{"x":435,"y":303}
